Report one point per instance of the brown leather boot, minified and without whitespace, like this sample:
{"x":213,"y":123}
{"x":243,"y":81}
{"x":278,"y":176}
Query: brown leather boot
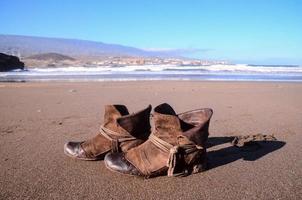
{"x":119,"y":133}
{"x":176,"y":145}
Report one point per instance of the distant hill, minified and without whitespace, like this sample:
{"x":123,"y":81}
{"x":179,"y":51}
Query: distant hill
{"x":50,"y":56}
{"x":24,"y":46}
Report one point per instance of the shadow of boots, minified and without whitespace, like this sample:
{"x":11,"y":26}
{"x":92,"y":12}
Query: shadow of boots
{"x":250,"y":151}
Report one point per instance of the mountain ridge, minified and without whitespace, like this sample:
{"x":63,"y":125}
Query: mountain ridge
{"x":24,"y":46}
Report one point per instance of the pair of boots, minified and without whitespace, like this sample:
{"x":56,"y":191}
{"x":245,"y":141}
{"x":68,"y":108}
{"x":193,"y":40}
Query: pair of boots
{"x":174,"y":146}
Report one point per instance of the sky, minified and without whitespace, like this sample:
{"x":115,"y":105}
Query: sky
{"x":240,"y":31}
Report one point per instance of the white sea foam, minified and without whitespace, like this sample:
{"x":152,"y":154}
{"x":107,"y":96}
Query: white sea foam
{"x":242,"y":68}
{"x":159,"y":72}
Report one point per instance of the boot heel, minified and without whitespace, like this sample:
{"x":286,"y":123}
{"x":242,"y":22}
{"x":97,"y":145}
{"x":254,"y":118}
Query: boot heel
{"x":200,"y":166}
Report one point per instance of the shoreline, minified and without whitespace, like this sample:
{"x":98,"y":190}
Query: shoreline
{"x":50,"y":82}
{"x":145,"y":80}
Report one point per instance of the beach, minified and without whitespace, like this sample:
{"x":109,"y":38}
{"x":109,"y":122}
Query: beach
{"x":37,"y":118}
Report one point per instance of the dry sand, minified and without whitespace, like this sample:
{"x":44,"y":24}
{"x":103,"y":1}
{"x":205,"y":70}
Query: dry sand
{"x":36,"y":119}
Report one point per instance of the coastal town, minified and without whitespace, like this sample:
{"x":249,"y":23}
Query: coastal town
{"x":59,"y":60}
{"x":154,"y":61}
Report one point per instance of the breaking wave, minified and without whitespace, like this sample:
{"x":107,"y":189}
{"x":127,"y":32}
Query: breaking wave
{"x":160,"y":68}
{"x":160,"y":72}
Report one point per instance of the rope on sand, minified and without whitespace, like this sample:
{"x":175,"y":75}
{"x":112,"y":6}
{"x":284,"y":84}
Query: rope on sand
{"x":243,"y":140}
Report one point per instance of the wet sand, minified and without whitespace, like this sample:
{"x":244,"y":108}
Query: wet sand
{"x":36,"y":119}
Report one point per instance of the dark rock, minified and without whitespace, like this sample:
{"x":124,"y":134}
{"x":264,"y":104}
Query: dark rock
{"x":8,"y":62}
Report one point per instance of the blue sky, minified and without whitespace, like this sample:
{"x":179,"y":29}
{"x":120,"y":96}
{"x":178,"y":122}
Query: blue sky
{"x":242,"y":31}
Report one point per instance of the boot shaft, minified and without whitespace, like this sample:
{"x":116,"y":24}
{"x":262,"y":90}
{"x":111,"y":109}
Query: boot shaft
{"x":118,"y":119}
{"x":165,"y":124}
{"x":121,"y":131}
{"x":194,"y":125}
{"x":137,"y":124}
{"x":113,"y":112}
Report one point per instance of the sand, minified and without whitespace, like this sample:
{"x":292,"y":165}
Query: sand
{"x":36,"y":119}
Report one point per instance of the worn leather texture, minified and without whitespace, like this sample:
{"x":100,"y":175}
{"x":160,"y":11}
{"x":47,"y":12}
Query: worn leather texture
{"x":118,"y":120}
{"x":185,"y":128}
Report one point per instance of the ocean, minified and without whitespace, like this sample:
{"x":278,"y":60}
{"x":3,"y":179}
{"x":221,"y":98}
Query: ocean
{"x":235,"y":72}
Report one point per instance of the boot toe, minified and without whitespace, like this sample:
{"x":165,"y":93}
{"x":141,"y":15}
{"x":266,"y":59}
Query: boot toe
{"x":74,"y":149}
{"x":117,"y":162}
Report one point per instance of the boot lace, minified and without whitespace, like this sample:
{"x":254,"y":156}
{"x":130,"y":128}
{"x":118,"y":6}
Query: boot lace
{"x":115,"y":137}
{"x":174,"y":152}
